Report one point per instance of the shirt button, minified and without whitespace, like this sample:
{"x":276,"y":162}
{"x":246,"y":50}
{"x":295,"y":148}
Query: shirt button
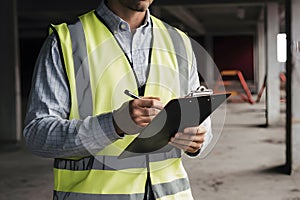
{"x":123,"y":26}
{"x":115,"y":31}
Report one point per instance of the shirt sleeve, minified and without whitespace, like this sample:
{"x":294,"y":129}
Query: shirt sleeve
{"x":194,"y":83}
{"x":47,"y":130}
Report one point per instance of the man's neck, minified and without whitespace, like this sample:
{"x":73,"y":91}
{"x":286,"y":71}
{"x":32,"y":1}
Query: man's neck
{"x":133,"y":18}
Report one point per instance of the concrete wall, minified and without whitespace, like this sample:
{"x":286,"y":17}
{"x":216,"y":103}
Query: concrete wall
{"x":273,"y":66}
{"x":295,"y":94}
{"x":10,"y":118}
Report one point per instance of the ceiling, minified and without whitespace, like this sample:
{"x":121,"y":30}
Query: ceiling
{"x":197,"y":17}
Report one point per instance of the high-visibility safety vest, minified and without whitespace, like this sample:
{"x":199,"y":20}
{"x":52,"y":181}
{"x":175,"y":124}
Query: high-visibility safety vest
{"x":98,"y":72}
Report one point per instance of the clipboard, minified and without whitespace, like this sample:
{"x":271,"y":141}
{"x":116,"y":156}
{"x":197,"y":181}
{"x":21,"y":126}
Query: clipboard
{"x":176,"y":115}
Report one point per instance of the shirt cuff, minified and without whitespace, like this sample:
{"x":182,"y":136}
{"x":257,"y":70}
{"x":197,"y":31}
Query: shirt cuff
{"x":193,"y":154}
{"x":107,"y":125}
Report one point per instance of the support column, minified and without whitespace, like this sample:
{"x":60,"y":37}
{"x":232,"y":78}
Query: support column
{"x":260,"y":52}
{"x":293,"y":94}
{"x":261,"y":55}
{"x":205,"y":63}
{"x":273,"y":66}
{"x":10,"y":101}
{"x":210,"y":65}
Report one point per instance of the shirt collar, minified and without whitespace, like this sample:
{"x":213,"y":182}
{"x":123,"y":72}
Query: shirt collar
{"x":114,"y":22}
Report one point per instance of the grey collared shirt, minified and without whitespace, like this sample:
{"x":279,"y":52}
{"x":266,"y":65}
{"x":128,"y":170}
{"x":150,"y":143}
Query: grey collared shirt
{"x":48,"y":131}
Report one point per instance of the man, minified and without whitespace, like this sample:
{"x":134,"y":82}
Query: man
{"x":78,"y":114}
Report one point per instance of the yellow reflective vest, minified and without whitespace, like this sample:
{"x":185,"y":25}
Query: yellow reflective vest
{"x":98,"y":71}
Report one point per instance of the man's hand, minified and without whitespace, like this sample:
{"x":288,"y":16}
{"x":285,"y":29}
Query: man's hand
{"x":134,"y":115}
{"x":142,"y":111}
{"x":190,"y":140}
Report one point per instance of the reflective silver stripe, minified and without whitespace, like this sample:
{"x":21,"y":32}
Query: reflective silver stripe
{"x":171,"y":188}
{"x":174,"y":153}
{"x":182,"y":59}
{"x":80,"y":196}
{"x":81,"y":69}
{"x":101,"y":163}
{"x":112,"y":162}
{"x":82,"y":164}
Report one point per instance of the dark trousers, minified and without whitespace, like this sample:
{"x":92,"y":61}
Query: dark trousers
{"x":149,"y":195}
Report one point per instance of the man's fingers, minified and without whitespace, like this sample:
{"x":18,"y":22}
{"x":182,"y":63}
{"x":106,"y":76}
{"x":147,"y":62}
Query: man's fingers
{"x":178,"y":146}
{"x":148,"y":102}
{"x":150,"y":111}
{"x":191,"y":149}
{"x":156,"y":98}
{"x":189,"y":137}
{"x":192,"y":141}
{"x":195,"y":130}
{"x":144,"y":112}
{"x":143,"y":120}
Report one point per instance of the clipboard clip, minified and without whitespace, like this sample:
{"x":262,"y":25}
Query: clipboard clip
{"x":200,"y":91}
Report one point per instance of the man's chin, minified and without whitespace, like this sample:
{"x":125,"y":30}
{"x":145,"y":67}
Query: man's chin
{"x":142,"y":6}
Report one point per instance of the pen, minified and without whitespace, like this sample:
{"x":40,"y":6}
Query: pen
{"x":128,"y":93}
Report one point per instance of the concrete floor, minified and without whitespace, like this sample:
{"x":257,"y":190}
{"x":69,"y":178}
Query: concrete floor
{"x":246,"y":163}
